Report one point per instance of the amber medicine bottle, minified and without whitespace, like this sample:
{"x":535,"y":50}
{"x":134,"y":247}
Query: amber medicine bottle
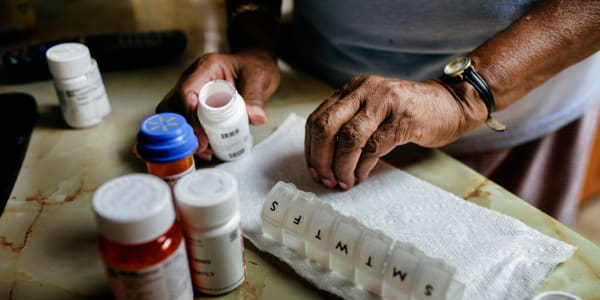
{"x":78,"y":83}
{"x":140,"y":242}
{"x":166,"y":142}
{"x":222,"y":113}
{"x":207,"y":202}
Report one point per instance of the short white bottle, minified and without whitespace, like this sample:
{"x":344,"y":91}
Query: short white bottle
{"x":222,"y":113}
{"x":207,"y":203}
{"x":78,"y":84}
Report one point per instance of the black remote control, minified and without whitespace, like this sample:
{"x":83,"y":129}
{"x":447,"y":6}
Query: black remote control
{"x":112,"y":51}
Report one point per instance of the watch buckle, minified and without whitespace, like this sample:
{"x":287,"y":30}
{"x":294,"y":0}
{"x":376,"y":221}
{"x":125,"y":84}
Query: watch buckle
{"x":494,"y":124}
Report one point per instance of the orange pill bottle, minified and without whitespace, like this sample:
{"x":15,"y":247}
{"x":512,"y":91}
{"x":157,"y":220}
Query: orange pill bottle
{"x":140,"y":242}
{"x":166,"y":142}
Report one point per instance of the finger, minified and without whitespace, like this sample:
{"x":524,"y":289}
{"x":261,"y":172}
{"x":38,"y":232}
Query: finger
{"x":366,"y":164}
{"x":202,"y":138}
{"x":351,"y":85}
{"x":204,"y":69}
{"x":351,"y":138}
{"x":183,"y":98}
{"x":185,"y":106}
{"x":381,"y":142}
{"x":204,"y":150}
{"x":308,"y":129}
{"x":205,"y":155}
{"x":325,"y":127}
{"x":164,"y":104}
{"x":252,"y":92}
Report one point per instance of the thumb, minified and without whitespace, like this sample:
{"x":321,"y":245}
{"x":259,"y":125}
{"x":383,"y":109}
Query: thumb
{"x":255,"y":103}
{"x":256,"y":114}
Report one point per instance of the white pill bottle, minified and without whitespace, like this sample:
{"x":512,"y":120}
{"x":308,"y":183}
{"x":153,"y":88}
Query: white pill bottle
{"x":78,"y":83}
{"x":207,"y":202}
{"x":222,"y":113}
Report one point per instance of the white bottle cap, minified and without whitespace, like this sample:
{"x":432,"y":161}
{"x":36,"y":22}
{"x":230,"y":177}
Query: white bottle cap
{"x":68,"y":60}
{"x":133,"y":209}
{"x":206,"y":198}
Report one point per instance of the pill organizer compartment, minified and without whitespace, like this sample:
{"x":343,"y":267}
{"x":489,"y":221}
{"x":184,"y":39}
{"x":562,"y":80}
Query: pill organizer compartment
{"x":281,"y":196}
{"x":432,"y":280}
{"x":372,"y":254}
{"x":318,"y":233}
{"x":298,"y":215}
{"x":400,"y":272}
{"x":368,"y":258}
{"x":343,"y":246}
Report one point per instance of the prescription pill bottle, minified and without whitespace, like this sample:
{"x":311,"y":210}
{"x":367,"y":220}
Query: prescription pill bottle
{"x":207,"y":202}
{"x":140,"y":243}
{"x":166,"y":142}
{"x":222,"y":113}
{"x":78,"y":84}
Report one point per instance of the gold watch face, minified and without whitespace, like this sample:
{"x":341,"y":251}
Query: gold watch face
{"x":457,"y":66}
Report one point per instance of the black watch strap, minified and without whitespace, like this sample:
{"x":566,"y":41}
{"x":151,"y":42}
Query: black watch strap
{"x":485,"y":93}
{"x":462,"y":68}
{"x":481,"y":87}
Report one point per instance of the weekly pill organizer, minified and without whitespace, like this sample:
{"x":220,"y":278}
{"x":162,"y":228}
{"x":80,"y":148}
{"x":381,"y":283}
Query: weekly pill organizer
{"x":368,"y":258}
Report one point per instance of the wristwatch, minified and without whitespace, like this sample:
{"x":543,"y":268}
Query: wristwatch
{"x":462,"y":67}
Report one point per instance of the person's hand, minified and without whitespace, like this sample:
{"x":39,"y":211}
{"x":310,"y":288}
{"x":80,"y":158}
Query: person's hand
{"x":254,"y":73}
{"x":370,"y":115}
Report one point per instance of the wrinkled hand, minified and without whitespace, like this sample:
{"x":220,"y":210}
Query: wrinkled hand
{"x":254,"y":73}
{"x":370,"y":115}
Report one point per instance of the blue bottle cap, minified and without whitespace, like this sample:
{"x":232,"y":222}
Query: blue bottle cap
{"x":165,"y":137}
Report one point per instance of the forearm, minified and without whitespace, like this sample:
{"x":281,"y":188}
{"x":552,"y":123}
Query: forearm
{"x":253,"y":25}
{"x":554,"y":35}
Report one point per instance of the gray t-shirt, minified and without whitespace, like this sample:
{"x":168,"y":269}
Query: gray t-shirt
{"x":415,"y":39}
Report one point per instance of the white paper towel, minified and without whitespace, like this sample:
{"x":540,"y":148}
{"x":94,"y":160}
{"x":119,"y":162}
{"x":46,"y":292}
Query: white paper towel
{"x":496,"y":256}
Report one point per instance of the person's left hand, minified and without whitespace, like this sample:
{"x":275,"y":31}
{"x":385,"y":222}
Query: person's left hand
{"x":370,"y":115}
{"x":254,"y":72}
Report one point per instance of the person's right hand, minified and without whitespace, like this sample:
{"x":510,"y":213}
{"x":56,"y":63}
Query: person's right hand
{"x":371,"y":115}
{"x":254,"y":73}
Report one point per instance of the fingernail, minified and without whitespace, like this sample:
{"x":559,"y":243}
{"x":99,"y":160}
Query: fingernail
{"x":328,"y":182}
{"x":257,"y":115}
{"x":343,"y":185}
{"x":206,"y":155}
{"x":191,"y":97}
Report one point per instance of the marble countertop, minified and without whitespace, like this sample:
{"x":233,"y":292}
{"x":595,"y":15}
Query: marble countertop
{"x":47,"y":231}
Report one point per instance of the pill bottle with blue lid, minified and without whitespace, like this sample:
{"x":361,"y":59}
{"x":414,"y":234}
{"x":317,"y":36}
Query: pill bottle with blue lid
{"x":166,"y":142}
{"x":140,"y":242}
{"x":207,"y":203}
